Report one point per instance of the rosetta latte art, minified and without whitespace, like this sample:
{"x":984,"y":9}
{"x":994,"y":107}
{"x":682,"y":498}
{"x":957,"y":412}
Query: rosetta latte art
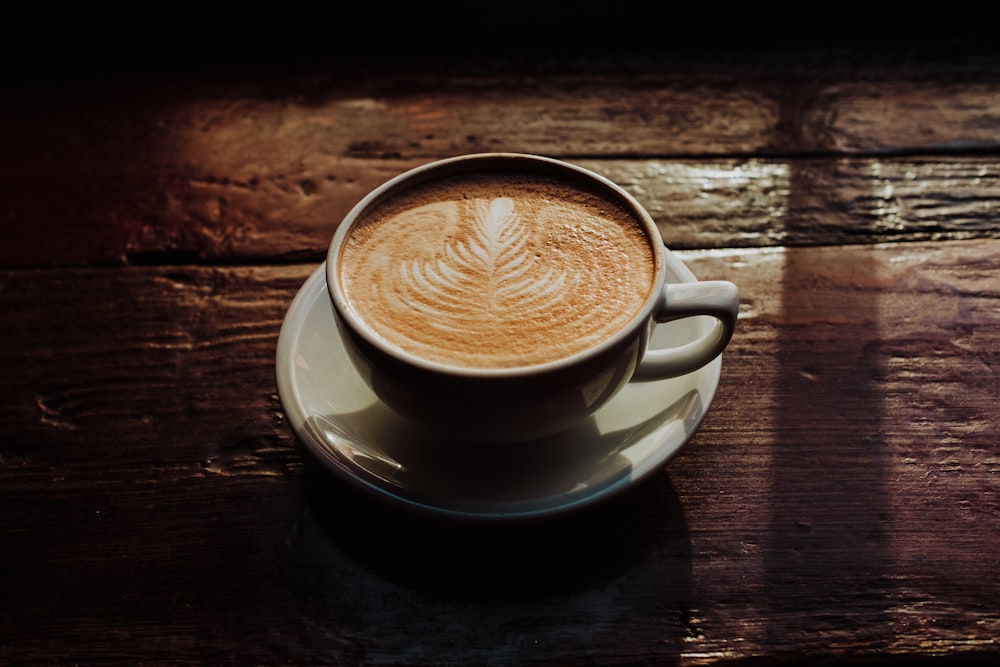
{"x":496,"y":281}
{"x":483,"y":279}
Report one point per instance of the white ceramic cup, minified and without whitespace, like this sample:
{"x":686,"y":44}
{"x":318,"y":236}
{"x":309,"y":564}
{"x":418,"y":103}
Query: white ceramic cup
{"x":524,"y":402}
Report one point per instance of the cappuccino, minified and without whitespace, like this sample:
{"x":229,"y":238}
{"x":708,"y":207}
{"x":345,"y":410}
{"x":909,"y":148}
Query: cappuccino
{"x":497,"y":270}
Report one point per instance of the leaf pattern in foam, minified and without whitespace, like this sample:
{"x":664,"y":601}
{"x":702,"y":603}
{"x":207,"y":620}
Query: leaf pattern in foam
{"x":486,"y":275}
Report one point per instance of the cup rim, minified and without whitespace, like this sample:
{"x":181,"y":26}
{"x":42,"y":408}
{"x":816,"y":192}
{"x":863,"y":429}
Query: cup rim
{"x":455,"y":165}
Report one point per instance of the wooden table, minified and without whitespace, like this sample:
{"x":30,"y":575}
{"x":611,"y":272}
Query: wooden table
{"x":839,"y":504}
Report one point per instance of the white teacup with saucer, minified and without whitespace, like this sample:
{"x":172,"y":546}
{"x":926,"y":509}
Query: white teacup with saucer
{"x":340,"y":421}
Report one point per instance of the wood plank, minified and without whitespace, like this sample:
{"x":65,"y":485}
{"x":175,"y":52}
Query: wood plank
{"x":224,"y":205}
{"x":206,"y":169}
{"x":783,"y":102}
{"x":840,"y":500}
{"x":859,"y":422}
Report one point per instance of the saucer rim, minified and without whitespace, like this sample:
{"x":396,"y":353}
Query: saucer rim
{"x":293,"y":403}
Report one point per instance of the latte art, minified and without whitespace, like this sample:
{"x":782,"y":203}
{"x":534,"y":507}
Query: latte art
{"x":495,"y":274}
{"x":483,"y":277}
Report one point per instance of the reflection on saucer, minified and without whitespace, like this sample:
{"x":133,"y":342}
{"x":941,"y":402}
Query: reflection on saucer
{"x":469,"y":478}
{"x":341,"y":422}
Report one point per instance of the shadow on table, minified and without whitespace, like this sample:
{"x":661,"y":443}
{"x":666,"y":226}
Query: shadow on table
{"x":609,"y":581}
{"x":491,"y":562}
{"x":827,"y":570}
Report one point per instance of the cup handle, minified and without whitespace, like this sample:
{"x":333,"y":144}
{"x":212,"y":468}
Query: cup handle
{"x":717,"y":298}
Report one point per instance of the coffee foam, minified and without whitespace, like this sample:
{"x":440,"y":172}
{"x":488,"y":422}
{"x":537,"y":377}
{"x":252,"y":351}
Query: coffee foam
{"x":496,"y":271}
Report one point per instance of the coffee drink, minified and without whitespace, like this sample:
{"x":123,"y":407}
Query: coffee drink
{"x":497,"y":269}
{"x":503,"y":297}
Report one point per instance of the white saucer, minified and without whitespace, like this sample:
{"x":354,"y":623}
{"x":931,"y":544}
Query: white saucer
{"x":340,"y":421}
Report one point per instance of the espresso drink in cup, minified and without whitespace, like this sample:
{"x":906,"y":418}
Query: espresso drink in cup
{"x":504,"y":297}
{"x":497,"y":269}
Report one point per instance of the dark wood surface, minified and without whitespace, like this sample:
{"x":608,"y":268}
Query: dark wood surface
{"x":839,"y":505}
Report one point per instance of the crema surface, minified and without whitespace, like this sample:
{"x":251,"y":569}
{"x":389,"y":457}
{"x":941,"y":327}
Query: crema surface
{"x":496,"y":271}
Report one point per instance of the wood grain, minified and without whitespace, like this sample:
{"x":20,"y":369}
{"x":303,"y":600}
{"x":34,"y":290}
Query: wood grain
{"x":855,"y":417}
{"x":791,"y":150}
{"x":839,"y":502}
{"x":838,"y":506}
